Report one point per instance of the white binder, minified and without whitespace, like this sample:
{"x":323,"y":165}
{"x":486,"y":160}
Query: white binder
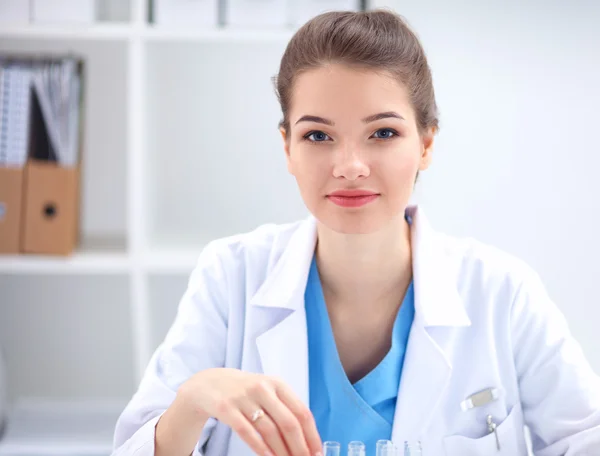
{"x":302,"y":11}
{"x":57,"y":87}
{"x":256,"y":13}
{"x":63,"y":11}
{"x":187,"y":13}
{"x":15,"y":108}
{"x":14,"y":12}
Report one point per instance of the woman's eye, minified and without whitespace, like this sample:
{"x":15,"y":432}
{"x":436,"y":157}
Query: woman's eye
{"x":316,"y":136}
{"x":385,"y":133}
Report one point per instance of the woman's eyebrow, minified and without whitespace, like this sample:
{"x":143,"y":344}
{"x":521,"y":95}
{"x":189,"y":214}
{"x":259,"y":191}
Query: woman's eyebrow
{"x":372,"y":118}
{"x":383,"y":115}
{"x":315,"y":119}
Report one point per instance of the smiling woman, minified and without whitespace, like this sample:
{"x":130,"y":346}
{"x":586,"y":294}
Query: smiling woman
{"x":366,"y":98}
{"x":361,"y":324}
{"x":368,"y":140}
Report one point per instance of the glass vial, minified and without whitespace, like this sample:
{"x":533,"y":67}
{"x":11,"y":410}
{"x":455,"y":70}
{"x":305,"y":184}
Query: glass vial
{"x":331,"y":449}
{"x":385,"y":448}
{"x":413,"y":449}
{"x":356,"y":448}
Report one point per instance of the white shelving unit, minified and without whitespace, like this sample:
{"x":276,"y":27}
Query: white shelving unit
{"x":48,"y":429}
{"x":178,"y":124}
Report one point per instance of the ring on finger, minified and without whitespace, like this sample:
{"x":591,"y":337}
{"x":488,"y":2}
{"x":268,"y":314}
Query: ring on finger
{"x":257,"y":415}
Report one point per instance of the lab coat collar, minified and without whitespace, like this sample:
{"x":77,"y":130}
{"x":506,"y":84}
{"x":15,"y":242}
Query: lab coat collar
{"x":437,"y":301}
{"x":285,"y":284}
{"x":435,"y":273}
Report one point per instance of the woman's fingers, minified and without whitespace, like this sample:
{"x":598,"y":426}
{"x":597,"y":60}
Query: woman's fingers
{"x":288,"y":424}
{"x":284,"y":426}
{"x":303,"y":416}
{"x":247,"y":432}
{"x":268,"y":429}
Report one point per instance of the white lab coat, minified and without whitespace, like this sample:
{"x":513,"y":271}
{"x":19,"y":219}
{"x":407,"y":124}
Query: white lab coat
{"x":483,"y":320}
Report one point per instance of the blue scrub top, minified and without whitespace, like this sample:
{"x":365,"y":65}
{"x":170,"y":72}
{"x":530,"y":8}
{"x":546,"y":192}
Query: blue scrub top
{"x":343,"y":411}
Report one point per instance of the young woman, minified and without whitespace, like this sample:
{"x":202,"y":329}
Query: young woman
{"x":361,"y":322}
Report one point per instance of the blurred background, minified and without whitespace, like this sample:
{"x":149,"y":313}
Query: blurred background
{"x":158,"y":127}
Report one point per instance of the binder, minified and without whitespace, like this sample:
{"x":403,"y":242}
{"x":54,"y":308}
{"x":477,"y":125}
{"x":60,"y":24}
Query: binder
{"x":15,"y":83}
{"x":11,"y":204}
{"x":63,"y":11}
{"x":15,"y":102}
{"x":40,"y":106}
{"x":256,"y":13}
{"x":57,"y":89}
{"x":301,"y":12}
{"x":187,"y":13}
{"x":14,"y":12}
{"x":51,"y":208}
{"x":52,"y":173}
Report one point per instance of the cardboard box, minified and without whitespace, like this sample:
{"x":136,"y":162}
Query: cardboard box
{"x":39,"y":202}
{"x":51,"y":208}
{"x":11,"y":209}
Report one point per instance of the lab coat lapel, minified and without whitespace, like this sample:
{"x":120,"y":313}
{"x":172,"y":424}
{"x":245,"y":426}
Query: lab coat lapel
{"x":424,"y":377}
{"x":427,"y":367}
{"x":283,"y":342}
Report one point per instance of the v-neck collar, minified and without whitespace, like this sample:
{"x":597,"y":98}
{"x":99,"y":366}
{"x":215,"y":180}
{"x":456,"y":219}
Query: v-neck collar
{"x":353,"y":391}
{"x":391,"y":364}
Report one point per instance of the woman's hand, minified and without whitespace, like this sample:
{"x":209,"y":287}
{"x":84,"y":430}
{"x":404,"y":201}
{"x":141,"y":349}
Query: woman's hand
{"x":233,"y":397}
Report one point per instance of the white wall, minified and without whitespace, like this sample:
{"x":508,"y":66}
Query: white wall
{"x":517,"y":158}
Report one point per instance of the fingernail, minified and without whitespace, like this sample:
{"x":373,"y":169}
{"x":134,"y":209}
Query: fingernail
{"x":319,"y":454}
{"x":268,"y":453}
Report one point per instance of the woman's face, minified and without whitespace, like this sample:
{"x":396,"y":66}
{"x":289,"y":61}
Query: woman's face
{"x":354,"y":147}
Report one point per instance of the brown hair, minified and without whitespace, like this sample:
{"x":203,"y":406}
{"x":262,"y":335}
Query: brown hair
{"x":377,"y":40}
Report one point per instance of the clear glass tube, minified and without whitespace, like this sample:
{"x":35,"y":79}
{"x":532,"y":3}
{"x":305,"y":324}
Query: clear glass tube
{"x":413,"y":449}
{"x":356,"y":448}
{"x":385,"y":448}
{"x":331,"y":449}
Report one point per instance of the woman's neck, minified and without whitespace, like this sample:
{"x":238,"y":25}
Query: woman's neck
{"x":362,"y":268}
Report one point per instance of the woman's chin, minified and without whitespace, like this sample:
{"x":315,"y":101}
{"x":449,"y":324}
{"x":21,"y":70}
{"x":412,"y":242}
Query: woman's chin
{"x":357,"y":224}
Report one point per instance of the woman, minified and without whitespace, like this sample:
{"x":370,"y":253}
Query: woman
{"x":361,"y":322}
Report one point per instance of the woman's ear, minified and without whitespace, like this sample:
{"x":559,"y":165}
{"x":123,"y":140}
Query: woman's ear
{"x":286,"y":148}
{"x":427,"y":152}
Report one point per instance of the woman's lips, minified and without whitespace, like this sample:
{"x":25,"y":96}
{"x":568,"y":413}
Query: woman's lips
{"x":352,"y":198}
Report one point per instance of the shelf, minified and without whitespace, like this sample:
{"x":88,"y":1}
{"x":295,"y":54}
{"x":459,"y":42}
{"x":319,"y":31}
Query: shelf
{"x":116,"y":31}
{"x":93,"y":257}
{"x":38,"y":427}
{"x":98,"y":31}
{"x":223,"y":34}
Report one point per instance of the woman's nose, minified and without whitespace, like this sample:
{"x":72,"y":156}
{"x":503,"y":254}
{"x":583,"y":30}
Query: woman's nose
{"x":350,"y":163}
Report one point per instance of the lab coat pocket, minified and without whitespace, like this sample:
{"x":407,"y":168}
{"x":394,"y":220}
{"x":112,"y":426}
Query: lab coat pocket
{"x":510,"y":436}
